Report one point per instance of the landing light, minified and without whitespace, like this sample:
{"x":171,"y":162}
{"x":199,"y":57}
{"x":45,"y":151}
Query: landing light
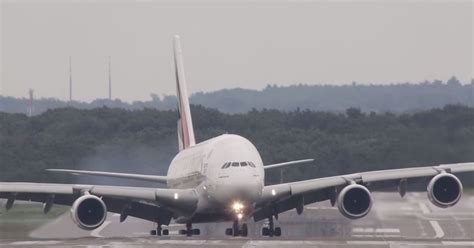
{"x":237,"y":206}
{"x":239,"y":216}
{"x":176,"y":196}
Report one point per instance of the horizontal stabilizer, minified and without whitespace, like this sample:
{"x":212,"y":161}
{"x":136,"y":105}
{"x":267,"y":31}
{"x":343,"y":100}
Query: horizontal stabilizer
{"x":156,"y":179}
{"x":271,"y":166}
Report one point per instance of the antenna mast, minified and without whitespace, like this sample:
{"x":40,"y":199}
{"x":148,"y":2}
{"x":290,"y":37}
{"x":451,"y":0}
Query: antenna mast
{"x":70,"y":78}
{"x":30,"y":103}
{"x":110,"y":78}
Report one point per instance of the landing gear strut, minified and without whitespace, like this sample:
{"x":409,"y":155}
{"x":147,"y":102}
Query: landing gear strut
{"x":271,"y":230}
{"x":190,"y":231}
{"x":237,"y":230}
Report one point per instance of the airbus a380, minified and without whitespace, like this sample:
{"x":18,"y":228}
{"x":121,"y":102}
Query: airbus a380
{"x":222,"y":180}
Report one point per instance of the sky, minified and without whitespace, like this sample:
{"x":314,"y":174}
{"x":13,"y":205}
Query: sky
{"x":228,"y":44}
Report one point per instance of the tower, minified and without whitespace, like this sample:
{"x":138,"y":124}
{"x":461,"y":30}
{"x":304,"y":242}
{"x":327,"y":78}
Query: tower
{"x":70,"y":78}
{"x":30,"y":103}
{"x":110,"y":78}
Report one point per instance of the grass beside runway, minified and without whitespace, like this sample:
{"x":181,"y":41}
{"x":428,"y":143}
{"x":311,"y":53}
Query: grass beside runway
{"x":468,"y":191}
{"x":19,"y":221}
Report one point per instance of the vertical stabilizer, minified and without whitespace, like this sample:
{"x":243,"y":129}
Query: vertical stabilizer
{"x":185,"y":123}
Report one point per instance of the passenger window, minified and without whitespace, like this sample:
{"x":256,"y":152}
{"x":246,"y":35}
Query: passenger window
{"x":235,"y":164}
{"x":243,"y":163}
{"x":252,"y":164}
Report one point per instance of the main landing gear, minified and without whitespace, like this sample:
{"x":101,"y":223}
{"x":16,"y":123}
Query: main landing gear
{"x":159,"y":231}
{"x":189,"y":231}
{"x":271,"y":230}
{"x":237,"y":230}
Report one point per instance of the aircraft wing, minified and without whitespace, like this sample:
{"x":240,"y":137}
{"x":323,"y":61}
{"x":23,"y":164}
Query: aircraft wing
{"x":271,"y":166}
{"x":286,"y":196}
{"x":151,"y":178}
{"x":146,"y":203}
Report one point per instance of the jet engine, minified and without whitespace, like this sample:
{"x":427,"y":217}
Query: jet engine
{"x":88,"y":212}
{"x":444,"y":190}
{"x":354,"y":201}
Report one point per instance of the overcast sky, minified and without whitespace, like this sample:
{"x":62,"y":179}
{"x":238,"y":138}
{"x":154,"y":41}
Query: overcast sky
{"x":229,"y":44}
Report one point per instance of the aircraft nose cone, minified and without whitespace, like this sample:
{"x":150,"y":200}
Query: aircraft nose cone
{"x":242,"y":190}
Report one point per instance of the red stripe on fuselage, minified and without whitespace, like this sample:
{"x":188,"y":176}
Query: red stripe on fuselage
{"x":184,"y":122}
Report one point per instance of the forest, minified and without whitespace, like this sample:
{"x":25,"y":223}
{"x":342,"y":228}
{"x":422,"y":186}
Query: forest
{"x":144,"y":141}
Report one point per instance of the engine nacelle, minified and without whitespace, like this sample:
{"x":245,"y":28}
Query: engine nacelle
{"x":88,"y":212}
{"x":444,"y":190}
{"x":354,"y":201}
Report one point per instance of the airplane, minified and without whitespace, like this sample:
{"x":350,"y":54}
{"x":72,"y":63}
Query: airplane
{"x":222,"y":180}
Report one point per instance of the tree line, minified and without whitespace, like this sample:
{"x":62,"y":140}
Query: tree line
{"x":144,"y":141}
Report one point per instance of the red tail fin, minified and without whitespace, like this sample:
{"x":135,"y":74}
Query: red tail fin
{"x":185,"y":122}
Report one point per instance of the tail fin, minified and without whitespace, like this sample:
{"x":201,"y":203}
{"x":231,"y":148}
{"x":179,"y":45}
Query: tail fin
{"x":185,"y":123}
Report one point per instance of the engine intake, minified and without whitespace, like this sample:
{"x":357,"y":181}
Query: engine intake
{"x":444,"y":190}
{"x":88,"y":212}
{"x":354,"y":201}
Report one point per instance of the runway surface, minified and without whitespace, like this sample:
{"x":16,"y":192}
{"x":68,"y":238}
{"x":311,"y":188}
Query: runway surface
{"x":393,"y":222}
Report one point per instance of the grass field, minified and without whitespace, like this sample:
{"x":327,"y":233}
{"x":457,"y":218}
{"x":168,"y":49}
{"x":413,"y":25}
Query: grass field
{"x":24,"y":217}
{"x":469,"y":191}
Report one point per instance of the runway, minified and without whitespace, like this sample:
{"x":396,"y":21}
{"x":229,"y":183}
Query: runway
{"x":393,"y":222}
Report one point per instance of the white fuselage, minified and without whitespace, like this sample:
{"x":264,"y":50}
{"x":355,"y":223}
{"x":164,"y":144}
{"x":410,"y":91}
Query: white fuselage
{"x":224,"y":170}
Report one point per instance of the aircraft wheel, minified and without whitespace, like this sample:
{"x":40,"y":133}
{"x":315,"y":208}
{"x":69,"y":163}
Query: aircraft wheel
{"x":196,"y":231}
{"x":153,"y":232}
{"x":166,"y":232}
{"x":228,"y":231}
{"x":265,"y":231}
{"x":244,"y":232}
{"x":277,"y":231}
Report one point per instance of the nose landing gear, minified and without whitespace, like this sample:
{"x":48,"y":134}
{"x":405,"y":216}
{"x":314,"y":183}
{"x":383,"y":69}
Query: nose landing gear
{"x":237,"y":230}
{"x":189,"y":231}
{"x":271,"y":230}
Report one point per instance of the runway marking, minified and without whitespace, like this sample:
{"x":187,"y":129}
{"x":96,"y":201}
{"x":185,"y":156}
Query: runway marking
{"x":319,"y":208}
{"x":437,"y":228}
{"x":376,"y":236}
{"x":375,"y":230}
{"x":424,"y":208}
{"x":30,"y":243}
{"x":248,"y":244}
{"x":366,"y":242}
{"x":96,"y":232}
{"x":458,"y":243}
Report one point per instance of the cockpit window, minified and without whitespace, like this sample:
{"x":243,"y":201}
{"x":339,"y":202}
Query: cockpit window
{"x":237,"y":164}
{"x":224,"y":166}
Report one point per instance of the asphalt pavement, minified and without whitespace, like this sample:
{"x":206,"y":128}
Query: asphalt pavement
{"x":411,"y":221}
